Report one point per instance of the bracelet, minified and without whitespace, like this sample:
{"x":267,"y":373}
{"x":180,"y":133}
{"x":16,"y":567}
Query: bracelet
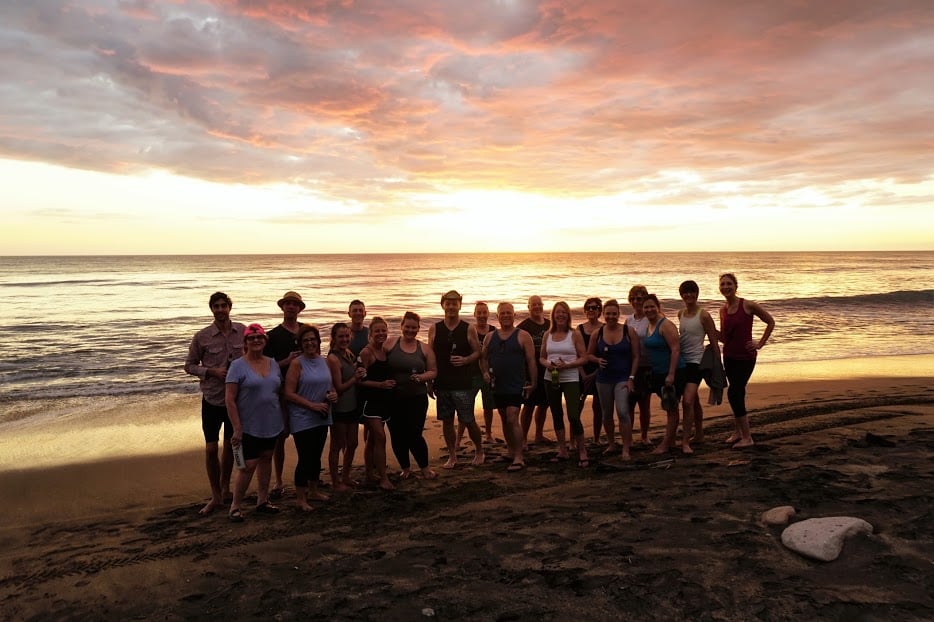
{"x":632,"y":377}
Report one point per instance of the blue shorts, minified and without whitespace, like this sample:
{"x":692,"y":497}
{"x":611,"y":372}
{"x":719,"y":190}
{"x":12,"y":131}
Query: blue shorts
{"x":212,"y":418}
{"x":461,"y":402}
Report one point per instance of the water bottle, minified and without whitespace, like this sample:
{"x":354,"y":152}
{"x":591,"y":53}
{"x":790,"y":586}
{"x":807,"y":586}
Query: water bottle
{"x":492,"y":380}
{"x":360,"y":366}
{"x":239,"y":460}
{"x":555,"y":376}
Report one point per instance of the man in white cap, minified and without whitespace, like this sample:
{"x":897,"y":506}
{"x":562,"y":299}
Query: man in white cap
{"x":282,"y":345}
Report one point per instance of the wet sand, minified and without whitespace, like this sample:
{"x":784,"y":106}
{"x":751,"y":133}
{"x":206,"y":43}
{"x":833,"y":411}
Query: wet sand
{"x":658,"y":538}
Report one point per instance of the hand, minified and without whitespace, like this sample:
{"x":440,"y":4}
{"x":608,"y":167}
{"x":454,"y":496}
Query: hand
{"x":669,"y":379}
{"x":602,"y":363}
{"x":237,"y":438}
{"x":389,"y":384}
{"x":752,"y":345}
{"x":457,"y":361}
{"x":360,"y":373}
{"x":526,"y":390}
{"x":331,"y":396}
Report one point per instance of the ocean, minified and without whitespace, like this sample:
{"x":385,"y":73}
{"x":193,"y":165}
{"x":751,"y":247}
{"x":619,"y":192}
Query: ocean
{"x":103,"y":339}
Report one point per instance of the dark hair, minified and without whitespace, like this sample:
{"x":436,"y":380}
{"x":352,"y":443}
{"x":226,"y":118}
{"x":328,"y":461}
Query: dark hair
{"x":308,"y":328}
{"x":688,"y":287}
{"x":654,"y":299}
{"x":410,"y":315}
{"x":379,"y":320}
{"x":638,"y":289}
{"x":731,"y":276}
{"x":220,"y":296}
{"x":612,"y":302}
{"x":337,"y":326}
{"x":593,"y":301}
{"x":356,"y":302}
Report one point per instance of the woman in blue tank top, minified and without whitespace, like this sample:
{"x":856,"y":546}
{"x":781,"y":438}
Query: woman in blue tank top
{"x":663,"y":345}
{"x":310,"y":394}
{"x":615,"y":350}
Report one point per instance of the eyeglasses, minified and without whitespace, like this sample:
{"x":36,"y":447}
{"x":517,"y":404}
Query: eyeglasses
{"x":592,"y":308}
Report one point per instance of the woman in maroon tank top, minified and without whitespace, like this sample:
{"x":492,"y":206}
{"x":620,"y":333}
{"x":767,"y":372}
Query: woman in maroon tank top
{"x":739,"y":352}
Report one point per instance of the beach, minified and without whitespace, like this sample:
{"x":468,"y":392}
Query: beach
{"x":658,"y":538}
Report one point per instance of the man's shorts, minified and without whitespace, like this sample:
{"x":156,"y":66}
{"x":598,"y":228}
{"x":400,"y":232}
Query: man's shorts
{"x":212,"y":418}
{"x":486,"y":393}
{"x":538,"y":397}
{"x":461,"y":402}
{"x":507,"y":400}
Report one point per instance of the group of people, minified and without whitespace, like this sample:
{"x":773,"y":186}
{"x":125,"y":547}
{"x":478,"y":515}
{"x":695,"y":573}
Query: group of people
{"x":260,"y":387}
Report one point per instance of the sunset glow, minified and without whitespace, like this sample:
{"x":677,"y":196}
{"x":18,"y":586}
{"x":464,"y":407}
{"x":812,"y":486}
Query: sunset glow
{"x":138,"y":127}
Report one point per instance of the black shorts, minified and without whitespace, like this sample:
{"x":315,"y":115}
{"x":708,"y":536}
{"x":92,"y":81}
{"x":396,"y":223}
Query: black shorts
{"x":538,"y":397}
{"x":255,"y":446}
{"x":692,"y":373}
{"x":212,"y":418}
{"x":658,"y":381}
{"x":352,"y":416}
{"x":507,"y":400}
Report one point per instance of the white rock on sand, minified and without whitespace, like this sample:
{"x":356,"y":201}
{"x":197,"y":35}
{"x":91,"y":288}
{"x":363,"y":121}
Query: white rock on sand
{"x":822,"y":538}
{"x":778,"y":516}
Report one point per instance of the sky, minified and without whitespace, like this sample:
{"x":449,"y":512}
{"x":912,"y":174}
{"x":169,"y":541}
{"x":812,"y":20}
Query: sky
{"x":243,"y":126}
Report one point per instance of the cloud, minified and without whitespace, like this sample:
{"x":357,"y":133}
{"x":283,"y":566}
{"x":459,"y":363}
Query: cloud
{"x":565,"y":98}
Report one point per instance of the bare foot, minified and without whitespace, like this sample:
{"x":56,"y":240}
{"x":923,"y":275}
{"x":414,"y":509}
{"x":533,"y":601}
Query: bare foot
{"x":686,"y":449}
{"x":610,"y":449}
{"x":646,"y":442}
{"x":661,"y":449}
{"x":452,"y":460}
{"x":318,"y":496}
{"x":339,"y":487}
{"x":478,"y":459}
{"x":211,"y":505}
{"x":544,"y":439}
{"x":742,"y":444}
{"x":428,"y":473}
{"x":732,"y":439}
{"x":489,"y":439}
{"x":304,"y":507}
{"x":626,"y":457}
{"x":385,"y":484}
{"x":349,"y":481}
{"x":698,"y":439}
{"x":405,"y":474}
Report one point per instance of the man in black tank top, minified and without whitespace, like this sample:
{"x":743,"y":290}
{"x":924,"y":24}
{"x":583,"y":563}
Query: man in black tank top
{"x":456,"y":349}
{"x":536,"y":325}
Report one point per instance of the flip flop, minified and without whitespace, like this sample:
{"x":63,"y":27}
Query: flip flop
{"x":235,"y":516}
{"x":275,"y":494}
{"x":267,"y":508}
{"x":515,"y":467}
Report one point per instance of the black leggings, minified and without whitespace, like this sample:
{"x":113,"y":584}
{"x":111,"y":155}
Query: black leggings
{"x":738,"y":372}
{"x":309,"y":445}
{"x":405,"y":430}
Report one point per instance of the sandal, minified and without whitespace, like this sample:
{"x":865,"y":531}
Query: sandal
{"x":235,"y":516}
{"x":267,"y":508}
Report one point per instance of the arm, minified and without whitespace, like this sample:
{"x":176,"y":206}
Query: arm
{"x":431,"y":364}
{"x":528,"y":347}
{"x":334,"y":366}
{"x":670,"y":333}
{"x":636,"y":345}
{"x":766,"y":317}
{"x":543,"y":354}
{"x":193,"y":360}
{"x":485,"y":358}
{"x":474,"y":341}
{"x":711,"y":330}
{"x":578,"y":342}
{"x":230,"y":399}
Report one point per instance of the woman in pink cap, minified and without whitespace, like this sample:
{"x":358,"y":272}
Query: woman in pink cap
{"x":252,"y":398}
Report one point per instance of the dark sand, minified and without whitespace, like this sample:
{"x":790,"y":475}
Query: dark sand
{"x":656,"y":539}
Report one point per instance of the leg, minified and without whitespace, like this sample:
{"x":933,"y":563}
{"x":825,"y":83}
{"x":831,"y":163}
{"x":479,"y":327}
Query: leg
{"x":525,"y":419}
{"x":244,"y":476}
{"x":738,"y":373}
{"x":263,"y":476}
{"x":278,"y":457}
{"x":476,"y":437}
{"x":398,"y":438}
{"x":645,"y":417}
{"x":688,"y":402}
{"x":460,"y":435}
{"x":319,"y":437}
{"x":453,"y":443}
{"x":607,"y":400}
{"x":512,"y":430}
{"x":376,"y":445}
{"x":541,"y":413}
{"x":212,"y":465}
{"x":698,"y":422}
{"x":553,"y":394}
{"x":671,"y":431}
{"x":621,"y":398}
{"x":334,"y":456}
{"x":419,"y":448}
{"x":351,"y":433}
{"x":303,"y":449}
